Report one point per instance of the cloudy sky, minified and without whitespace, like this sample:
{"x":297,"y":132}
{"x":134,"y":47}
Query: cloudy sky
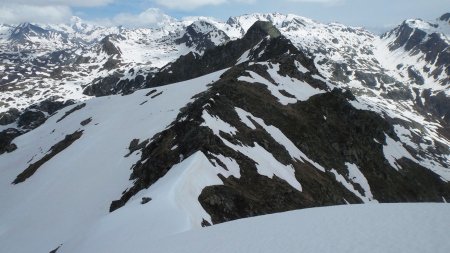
{"x":372,"y":14}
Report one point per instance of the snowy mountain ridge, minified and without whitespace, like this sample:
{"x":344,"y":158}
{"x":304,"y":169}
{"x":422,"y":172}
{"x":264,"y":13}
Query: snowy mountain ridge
{"x":77,"y":42}
{"x":155,"y":132}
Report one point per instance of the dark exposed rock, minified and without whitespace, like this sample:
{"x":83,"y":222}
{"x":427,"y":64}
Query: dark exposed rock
{"x":445,"y":17}
{"x":193,"y":65}
{"x":205,"y":223}
{"x":367,"y":79}
{"x":56,"y":250}
{"x":399,"y":94}
{"x":103,"y":86}
{"x":50,"y":106}
{"x":145,"y":200}
{"x":111,"y":63}
{"x":261,"y":29}
{"x":6,"y":137}
{"x":75,"y":108}
{"x":404,"y":32}
{"x":347,"y":135}
{"x":86,"y":121}
{"x":22,"y":32}
{"x":54,"y":150}
{"x":415,"y":75}
{"x":150,"y":92}
{"x":128,"y":86}
{"x":157,"y":94}
{"x":113,"y":84}
{"x":9,"y":116}
{"x":439,"y":105}
{"x":136,"y":145}
{"x":331,"y":144}
{"x":108,"y":47}
{"x":196,"y":38}
{"x":341,"y":73}
{"x":31,"y":119}
{"x":434,"y":47}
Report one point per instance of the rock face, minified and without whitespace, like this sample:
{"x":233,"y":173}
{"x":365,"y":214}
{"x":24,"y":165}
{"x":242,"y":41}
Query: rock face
{"x":419,"y":37}
{"x":318,"y":126}
{"x":108,"y":47}
{"x":445,"y":17}
{"x":262,"y":29}
{"x":55,"y":149}
{"x":202,"y":36}
{"x":271,"y":113}
{"x":193,"y":65}
{"x":9,"y":116}
{"x":31,"y":119}
{"x":24,"y":31}
{"x":6,"y":138}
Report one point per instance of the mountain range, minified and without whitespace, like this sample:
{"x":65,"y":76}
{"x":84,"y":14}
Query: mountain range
{"x":107,"y":132}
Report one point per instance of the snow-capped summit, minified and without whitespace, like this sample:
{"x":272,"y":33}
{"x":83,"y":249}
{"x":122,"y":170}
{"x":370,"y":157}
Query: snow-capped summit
{"x":202,"y":35}
{"x":445,"y":17}
{"x":421,"y":50}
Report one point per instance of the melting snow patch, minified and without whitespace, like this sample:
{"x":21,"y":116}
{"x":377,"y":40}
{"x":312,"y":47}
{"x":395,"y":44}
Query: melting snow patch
{"x":278,"y":136}
{"x":341,"y":179}
{"x":232,"y":167}
{"x":267,"y":165}
{"x":357,"y":177}
{"x":301,"y":68}
{"x":405,"y":135}
{"x":394,"y":150}
{"x":217,"y":125}
{"x":244,"y":57}
{"x":300,"y":90}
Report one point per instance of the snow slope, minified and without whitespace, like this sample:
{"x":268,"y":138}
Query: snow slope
{"x":66,"y":202}
{"x":353,"y":228}
{"x":75,"y":188}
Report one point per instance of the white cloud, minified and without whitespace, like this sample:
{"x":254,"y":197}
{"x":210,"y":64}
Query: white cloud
{"x":329,"y":2}
{"x":188,"y":4}
{"x":148,"y":18}
{"x":18,"y":13}
{"x":315,"y":1}
{"x":53,"y":3}
{"x":42,"y":11}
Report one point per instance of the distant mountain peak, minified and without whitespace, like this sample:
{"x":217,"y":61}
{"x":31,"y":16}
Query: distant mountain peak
{"x":23,"y":30}
{"x":261,"y":29}
{"x":445,"y":17}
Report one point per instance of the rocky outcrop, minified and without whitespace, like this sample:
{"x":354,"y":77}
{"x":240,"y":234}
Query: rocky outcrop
{"x":31,"y":119}
{"x":326,"y":128}
{"x":54,"y":150}
{"x":9,"y":116}
{"x":202,"y":36}
{"x":108,"y":47}
{"x":445,"y":18}
{"x":114,"y":84}
{"x":6,"y":138}
{"x":75,"y":108}
{"x":263,"y":37}
{"x":417,"y":40}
